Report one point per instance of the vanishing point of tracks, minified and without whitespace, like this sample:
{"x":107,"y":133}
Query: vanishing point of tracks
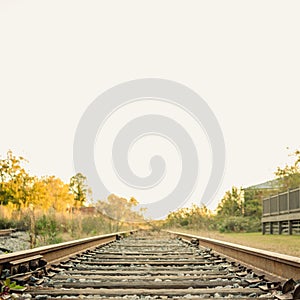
{"x":149,"y":265}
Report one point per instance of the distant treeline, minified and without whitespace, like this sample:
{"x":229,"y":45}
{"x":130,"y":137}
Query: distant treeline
{"x":240,"y":209}
{"x":48,"y":207}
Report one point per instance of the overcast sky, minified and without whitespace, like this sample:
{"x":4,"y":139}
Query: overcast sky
{"x":242,"y":57}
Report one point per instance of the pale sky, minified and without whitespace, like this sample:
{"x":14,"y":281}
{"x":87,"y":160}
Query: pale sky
{"x":242,"y":57}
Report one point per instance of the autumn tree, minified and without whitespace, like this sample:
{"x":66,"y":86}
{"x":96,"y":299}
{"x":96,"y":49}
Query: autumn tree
{"x":15,"y":182}
{"x":57,"y":194}
{"x":120,"y":210}
{"x":21,"y":190}
{"x":39,"y":195}
{"x":79,"y":188}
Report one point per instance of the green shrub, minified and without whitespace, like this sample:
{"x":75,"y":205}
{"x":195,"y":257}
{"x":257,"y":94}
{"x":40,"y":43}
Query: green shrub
{"x":239,"y":224}
{"x":47,"y":230}
{"x":20,"y":223}
{"x":5,"y":223}
{"x":184,"y":223}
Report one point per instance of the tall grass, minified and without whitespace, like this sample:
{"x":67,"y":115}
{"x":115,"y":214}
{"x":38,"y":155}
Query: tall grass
{"x":49,"y":227}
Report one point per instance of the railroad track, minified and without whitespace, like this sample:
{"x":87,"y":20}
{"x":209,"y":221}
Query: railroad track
{"x":147,"y":265}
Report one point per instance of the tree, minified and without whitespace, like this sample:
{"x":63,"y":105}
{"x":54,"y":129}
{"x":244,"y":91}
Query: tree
{"x":50,"y":192}
{"x":231,"y":204}
{"x":120,"y":210}
{"x":20,"y":189}
{"x":196,"y":217}
{"x":79,"y":188}
{"x":289,"y":176}
{"x":57,"y":194}
{"x":15,"y":182}
{"x":252,"y":202}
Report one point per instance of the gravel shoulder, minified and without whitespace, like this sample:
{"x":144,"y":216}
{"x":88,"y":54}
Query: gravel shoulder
{"x":17,"y":241}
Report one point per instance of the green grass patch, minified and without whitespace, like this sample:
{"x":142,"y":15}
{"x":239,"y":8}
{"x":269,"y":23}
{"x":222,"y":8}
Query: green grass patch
{"x":285,"y":244}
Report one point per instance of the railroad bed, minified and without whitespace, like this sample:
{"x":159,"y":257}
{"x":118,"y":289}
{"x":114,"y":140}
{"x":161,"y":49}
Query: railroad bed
{"x":149,"y":265}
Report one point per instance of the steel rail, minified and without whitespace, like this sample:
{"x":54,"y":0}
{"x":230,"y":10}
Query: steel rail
{"x":56,"y":252}
{"x":280,"y":265}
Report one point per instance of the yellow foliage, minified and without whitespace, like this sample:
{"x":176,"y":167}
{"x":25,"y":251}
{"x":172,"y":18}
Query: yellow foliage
{"x":18,"y":189}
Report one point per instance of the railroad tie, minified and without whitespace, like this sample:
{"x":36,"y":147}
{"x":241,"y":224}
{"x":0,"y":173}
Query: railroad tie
{"x":156,"y":266}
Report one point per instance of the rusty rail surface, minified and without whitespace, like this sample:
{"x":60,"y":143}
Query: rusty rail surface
{"x":280,"y":265}
{"x":56,"y":252}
